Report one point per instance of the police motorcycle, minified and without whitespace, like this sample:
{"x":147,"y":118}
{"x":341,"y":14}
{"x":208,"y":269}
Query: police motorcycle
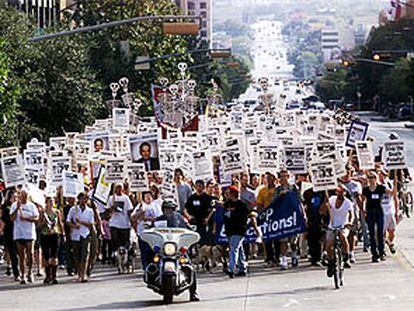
{"x":171,"y":272}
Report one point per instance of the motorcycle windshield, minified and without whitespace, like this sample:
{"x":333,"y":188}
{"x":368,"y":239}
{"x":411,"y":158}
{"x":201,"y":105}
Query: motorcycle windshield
{"x":159,"y":236}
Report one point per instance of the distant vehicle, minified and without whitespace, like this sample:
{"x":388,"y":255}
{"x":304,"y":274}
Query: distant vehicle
{"x":335,"y":104}
{"x":406,"y":111}
{"x":277,"y":83}
{"x":293,"y":105}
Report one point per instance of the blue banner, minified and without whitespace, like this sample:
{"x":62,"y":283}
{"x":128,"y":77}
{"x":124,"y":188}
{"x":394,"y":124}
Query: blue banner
{"x":281,"y":219}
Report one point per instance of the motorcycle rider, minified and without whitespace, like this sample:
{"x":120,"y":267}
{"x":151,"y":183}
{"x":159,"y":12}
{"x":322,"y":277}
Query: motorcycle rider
{"x":173,"y":219}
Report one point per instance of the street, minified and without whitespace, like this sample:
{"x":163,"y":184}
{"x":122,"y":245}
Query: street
{"x":368,"y":286}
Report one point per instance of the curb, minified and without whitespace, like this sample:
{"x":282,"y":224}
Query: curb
{"x":409,"y":126}
{"x":405,"y":241}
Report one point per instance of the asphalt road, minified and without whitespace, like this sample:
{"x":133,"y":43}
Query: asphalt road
{"x":384,"y":286}
{"x":380,"y":131}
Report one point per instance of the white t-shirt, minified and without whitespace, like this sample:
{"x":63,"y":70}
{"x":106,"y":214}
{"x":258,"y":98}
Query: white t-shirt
{"x":150,"y":210}
{"x":387,"y":202}
{"x":340,"y":215}
{"x":120,"y":217}
{"x":85,"y":216}
{"x":22,"y":229}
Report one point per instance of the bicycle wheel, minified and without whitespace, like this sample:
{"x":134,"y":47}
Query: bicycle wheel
{"x":338,"y":267}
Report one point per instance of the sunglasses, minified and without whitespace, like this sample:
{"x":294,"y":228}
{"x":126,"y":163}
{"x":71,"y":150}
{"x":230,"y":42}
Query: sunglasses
{"x":371,"y":177}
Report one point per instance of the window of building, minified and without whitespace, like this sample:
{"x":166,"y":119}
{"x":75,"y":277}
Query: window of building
{"x":203,"y":5}
{"x":191,"y":5}
{"x":203,"y":33}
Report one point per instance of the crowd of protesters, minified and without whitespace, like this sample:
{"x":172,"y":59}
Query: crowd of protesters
{"x":75,"y":233}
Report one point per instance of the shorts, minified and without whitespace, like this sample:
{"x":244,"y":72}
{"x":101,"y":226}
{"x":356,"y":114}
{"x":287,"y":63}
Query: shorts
{"x":24,"y":242}
{"x":389,"y":222}
{"x":292,"y":239}
{"x":330,"y":236}
{"x":49,"y":245}
{"x":81,"y":249}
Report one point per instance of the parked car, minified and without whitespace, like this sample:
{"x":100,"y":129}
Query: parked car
{"x":406,"y":111}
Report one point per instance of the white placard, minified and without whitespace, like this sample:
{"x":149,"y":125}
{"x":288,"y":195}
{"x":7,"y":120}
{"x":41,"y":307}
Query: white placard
{"x":295,"y":159}
{"x":268,"y":157}
{"x":394,"y":156}
{"x":137,"y":177}
{"x":203,"y":166}
{"x":323,"y":175}
{"x":120,"y":119}
{"x":365,"y":155}
{"x":231,"y":162}
{"x":116,"y":170}
{"x":56,"y":167}
{"x":72,"y":184}
{"x":12,"y":170}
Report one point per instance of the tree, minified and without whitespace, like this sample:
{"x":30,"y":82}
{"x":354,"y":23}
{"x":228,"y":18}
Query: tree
{"x":57,"y":90}
{"x":9,"y":95}
{"x":333,"y":85}
{"x":397,"y":84}
{"x":113,"y":51}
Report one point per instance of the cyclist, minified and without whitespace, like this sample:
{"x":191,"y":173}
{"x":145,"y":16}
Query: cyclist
{"x":341,"y":215}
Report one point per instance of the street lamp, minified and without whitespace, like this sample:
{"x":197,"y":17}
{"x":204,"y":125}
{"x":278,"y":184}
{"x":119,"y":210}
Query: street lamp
{"x":376,"y":57}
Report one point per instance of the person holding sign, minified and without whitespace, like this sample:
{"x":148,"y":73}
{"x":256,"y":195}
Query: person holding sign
{"x":341,"y":215}
{"x":24,"y":214}
{"x":373,"y":194}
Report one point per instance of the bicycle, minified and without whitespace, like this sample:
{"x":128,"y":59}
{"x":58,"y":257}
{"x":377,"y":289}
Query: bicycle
{"x":405,"y":199}
{"x":338,"y":259}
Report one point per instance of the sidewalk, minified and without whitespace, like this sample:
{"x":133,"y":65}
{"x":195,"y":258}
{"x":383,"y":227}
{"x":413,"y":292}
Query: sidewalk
{"x":405,"y":240}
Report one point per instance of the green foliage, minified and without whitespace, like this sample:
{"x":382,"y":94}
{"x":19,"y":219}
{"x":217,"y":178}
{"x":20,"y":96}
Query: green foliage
{"x":110,"y":61}
{"x":398,"y":82}
{"x":333,"y":85}
{"x":57,"y":90}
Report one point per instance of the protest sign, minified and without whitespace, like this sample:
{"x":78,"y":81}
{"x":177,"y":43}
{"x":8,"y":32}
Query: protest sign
{"x":102,"y":189}
{"x":394,"y":156}
{"x":295,"y":159}
{"x":34,"y":158}
{"x":115,"y":170}
{"x":72,"y":184}
{"x":82,"y":151}
{"x":137,"y":177}
{"x":57,"y":143}
{"x":323,"y":175}
{"x":168,"y":156}
{"x":9,"y":152}
{"x":32,"y":175}
{"x":339,"y":163}
{"x":99,"y":140}
{"x":144,"y":149}
{"x":12,"y":170}
{"x":56,"y":167}
{"x":323,"y":148}
{"x":268,"y":157}
{"x":283,"y":218}
{"x":357,"y":132}
{"x":120,"y":119}
{"x":231,"y":161}
{"x":365,"y":155}
{"x":203,"y":166}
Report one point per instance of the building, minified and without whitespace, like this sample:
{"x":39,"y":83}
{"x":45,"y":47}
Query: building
{"x":45,"y":12}
{"x":221,"y":40}
{"x":330,"y":43}
{"x":203,"y":8}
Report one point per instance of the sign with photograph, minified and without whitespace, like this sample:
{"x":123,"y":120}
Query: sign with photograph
{"x":323,"y":175}
{"x":365,"y":155}
{"x":357,"y":132}
{"x":394,"y":156}
{"x":144,"y":149}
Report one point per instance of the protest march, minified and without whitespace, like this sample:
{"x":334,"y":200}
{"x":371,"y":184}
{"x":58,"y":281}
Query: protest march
{"x":256,"y":183}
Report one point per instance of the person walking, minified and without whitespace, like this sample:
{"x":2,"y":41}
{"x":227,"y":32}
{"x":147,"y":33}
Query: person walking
{"x":51,"y":227}
{"x":373,"y":195}
{"x":10,"y":244}
{"x":25,"y":215}
{"x":81,"y":219}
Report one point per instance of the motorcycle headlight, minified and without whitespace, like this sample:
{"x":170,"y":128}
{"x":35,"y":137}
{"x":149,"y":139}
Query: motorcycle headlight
{"x":170,"y":249}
